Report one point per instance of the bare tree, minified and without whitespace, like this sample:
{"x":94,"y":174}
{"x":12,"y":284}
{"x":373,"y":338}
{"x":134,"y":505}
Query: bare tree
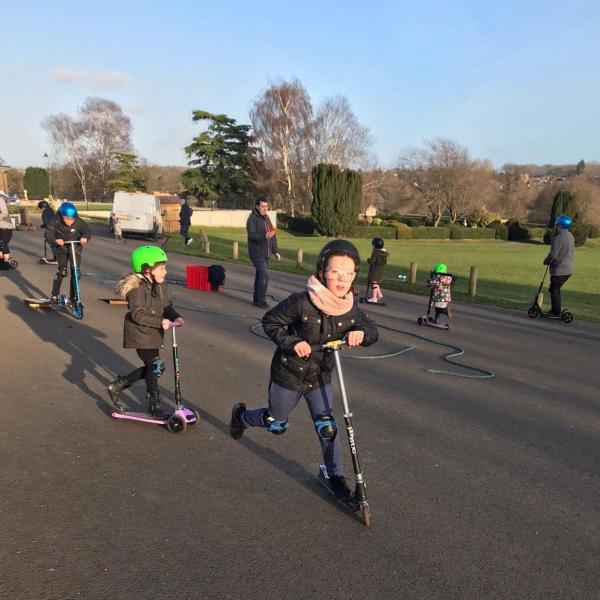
{"x":281,"y":121}
{"x":338,"y":137}
{"x":89,"y":139}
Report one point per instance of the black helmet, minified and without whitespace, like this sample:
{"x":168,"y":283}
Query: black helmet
{"x":338,"y":248}
{"x":378,"y":243}
{"x":43,"y":204}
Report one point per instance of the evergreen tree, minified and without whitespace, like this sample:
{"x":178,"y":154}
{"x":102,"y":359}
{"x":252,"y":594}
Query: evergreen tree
{"x":36,"y":182}
{"x":219,"y":158}
{"x":337,"y":196}
{"x":563,"y":204}
{"x":126,"y":174}
{"x":580,"y":168}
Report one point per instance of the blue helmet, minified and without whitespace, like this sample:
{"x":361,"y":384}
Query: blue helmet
{"x":564,"y":221}
{"x":67,"y":209}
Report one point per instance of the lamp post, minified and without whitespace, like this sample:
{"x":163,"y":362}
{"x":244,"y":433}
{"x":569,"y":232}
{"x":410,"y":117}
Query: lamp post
{"x":49,"y":178}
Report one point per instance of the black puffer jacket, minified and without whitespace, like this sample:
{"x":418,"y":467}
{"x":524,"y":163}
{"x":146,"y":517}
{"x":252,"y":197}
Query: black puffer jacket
{"x":259,"y":245}
{"x":57,"y":230}
{"x":377,"y":262}
{"x":297,"y":319}
{"x":148,"y":305}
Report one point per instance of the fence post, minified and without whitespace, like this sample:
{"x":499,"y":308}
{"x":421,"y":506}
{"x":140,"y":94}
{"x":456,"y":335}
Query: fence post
{"x":236,"y":251}
{"x":24,"y":212}
{"x":205,"y":243}
{"x":299,"y":256}
{"x":207,"y":246}
{"x":413,"y":273}
{"x":473,"y":281}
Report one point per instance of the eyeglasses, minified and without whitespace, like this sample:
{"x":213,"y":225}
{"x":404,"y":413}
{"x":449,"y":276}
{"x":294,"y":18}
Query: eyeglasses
{"x":340,"y":275}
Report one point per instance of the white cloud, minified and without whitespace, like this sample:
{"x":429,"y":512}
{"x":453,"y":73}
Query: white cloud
{"x":97,"y":79}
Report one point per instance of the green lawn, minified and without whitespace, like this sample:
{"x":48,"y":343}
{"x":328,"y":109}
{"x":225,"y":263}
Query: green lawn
{"x":509,"y":272}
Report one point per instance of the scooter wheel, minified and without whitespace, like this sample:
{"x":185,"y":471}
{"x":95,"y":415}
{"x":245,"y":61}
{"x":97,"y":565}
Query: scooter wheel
{"x":361,"y":300}
{"x":447,"y":326}
{"x":78,"y":312}
{"x":567,"y":317}
{"x":366,"y":515}
{"x":176,"y":424}
{"x":197,"y":415}
{"x":533,"y":312}
{"x":13,"y":264}
{"x":42,"y":261}
{"x":420,"y":321}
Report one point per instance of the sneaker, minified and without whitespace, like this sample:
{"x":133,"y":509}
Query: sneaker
{"x":261,"y":304}
{"x":236,"y":427}
{"x":189,"y":241}
{"x":54,"y":300}
{"x":340,"y":488}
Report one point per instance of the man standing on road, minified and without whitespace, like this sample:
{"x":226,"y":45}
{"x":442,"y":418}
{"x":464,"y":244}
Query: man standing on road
{"x":185,"y":220}
{"x":560,"y":258}
{"x":262,"y":244}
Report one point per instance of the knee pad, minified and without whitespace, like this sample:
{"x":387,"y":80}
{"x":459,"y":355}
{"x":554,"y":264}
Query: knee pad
{"x":326,"y":427}
{"x":158,"y":366}
{"x":273,"y":426}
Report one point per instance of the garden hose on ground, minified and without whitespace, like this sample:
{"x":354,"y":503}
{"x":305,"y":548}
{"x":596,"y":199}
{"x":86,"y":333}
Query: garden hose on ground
{"x":456,"y":350}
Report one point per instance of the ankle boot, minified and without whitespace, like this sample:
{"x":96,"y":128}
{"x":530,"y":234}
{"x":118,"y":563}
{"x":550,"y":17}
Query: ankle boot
{"x":154,"y":406}
{"x":114,"y":391}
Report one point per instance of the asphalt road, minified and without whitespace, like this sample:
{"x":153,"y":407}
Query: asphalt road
{"x":479,"y":488}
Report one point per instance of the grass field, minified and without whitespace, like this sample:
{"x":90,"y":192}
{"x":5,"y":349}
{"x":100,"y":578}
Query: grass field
{"x":509,"y":272}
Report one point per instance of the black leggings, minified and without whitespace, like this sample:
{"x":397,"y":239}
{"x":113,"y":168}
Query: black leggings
{"x":146,"y":372}
{"x":5,"y":237}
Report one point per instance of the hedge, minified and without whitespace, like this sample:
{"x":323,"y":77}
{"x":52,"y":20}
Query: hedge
{"x":430,"y":233}
{"x":371,"y":231}
{"x":470,"y":233}
{"x":301,"y":223}
{"x":501,"y":230}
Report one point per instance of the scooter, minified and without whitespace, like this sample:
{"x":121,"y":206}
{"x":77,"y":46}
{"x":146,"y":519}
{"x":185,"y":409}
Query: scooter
{"x":535,"y":310}
{"x":180,"y":418}
{"x":365,"y":298}
{"x":428,"y":319}
{"x":9,"y":265}
{"x":44,"y":260}
{"x":73,"y":306}
{"x":359,"y":499}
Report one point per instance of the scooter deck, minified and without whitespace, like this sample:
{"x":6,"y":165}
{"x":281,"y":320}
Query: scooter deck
{"x":40,"y":303}
{"x":140,"y":416}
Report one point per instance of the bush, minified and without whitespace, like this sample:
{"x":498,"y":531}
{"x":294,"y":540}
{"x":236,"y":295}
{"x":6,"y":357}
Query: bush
{"x":366,"y":232}
{"x":430,"y":233}
{"x":518,"y":233}
{"x":581,"y":232}
{"x":535,"y":233}
{"x":501,"y":230}
{"x":301,"y":223}
{"x":594,"y":231}
{"x":470,"y":233}
{"x":403,"y":231}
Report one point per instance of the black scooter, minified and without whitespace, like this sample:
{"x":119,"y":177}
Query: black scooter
{"x":535,"y":310}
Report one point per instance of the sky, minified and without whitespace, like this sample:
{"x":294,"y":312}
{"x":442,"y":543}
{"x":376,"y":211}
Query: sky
{"x":513,"y":81}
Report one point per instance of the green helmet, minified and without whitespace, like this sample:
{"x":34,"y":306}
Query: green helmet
{"x":147,"y":256}
{"x":440,"y":268}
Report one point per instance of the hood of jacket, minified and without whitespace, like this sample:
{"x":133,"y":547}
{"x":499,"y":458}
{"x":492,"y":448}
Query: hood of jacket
{"x":128,"y":283}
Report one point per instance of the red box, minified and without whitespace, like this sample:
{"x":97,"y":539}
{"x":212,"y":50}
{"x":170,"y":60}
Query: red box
{"x":197,"y":278}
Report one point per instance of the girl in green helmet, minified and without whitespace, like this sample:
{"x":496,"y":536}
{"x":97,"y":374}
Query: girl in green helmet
{"x":440,"y":282}
{"x":150,"y":313}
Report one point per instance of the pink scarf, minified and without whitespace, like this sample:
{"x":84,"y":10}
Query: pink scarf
{"x":326,"y":300}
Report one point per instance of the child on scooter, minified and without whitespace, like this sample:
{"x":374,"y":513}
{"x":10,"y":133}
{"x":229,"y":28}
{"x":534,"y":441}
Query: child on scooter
{"x":377,"y":263}
{"x":324,"y":312}
{"x":150,"y":313}
{"x":440,"y":281}
{"x":66,"y":226}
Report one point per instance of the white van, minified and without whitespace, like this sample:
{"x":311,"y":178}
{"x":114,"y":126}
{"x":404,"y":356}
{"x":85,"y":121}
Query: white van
{"x":138,"y":213}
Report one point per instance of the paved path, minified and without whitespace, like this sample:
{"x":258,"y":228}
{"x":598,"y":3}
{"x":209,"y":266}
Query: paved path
{"x":479,"y":488}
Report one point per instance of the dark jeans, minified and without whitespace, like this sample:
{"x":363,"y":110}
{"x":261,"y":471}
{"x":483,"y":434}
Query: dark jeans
{"x":147,"y":371}
{"x":64,"y":258}
{"x":5,"y":237}
{"x":261,"y":279}
{"x":281,"y":404}
{"x":184,"y":230}
{"x":556,"y":282}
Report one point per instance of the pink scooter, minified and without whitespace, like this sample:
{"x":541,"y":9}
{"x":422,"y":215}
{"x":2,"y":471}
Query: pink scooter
{"x":180,"y":418}
{"x":428,"y":319}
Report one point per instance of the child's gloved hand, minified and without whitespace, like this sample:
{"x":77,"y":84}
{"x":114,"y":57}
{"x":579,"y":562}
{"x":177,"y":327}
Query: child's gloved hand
{"x":355,"y":338}
{"x":302,"y":349}
{"x":165,"y":324}
{"x":83,"y":241}
{"x":178,"y":322}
